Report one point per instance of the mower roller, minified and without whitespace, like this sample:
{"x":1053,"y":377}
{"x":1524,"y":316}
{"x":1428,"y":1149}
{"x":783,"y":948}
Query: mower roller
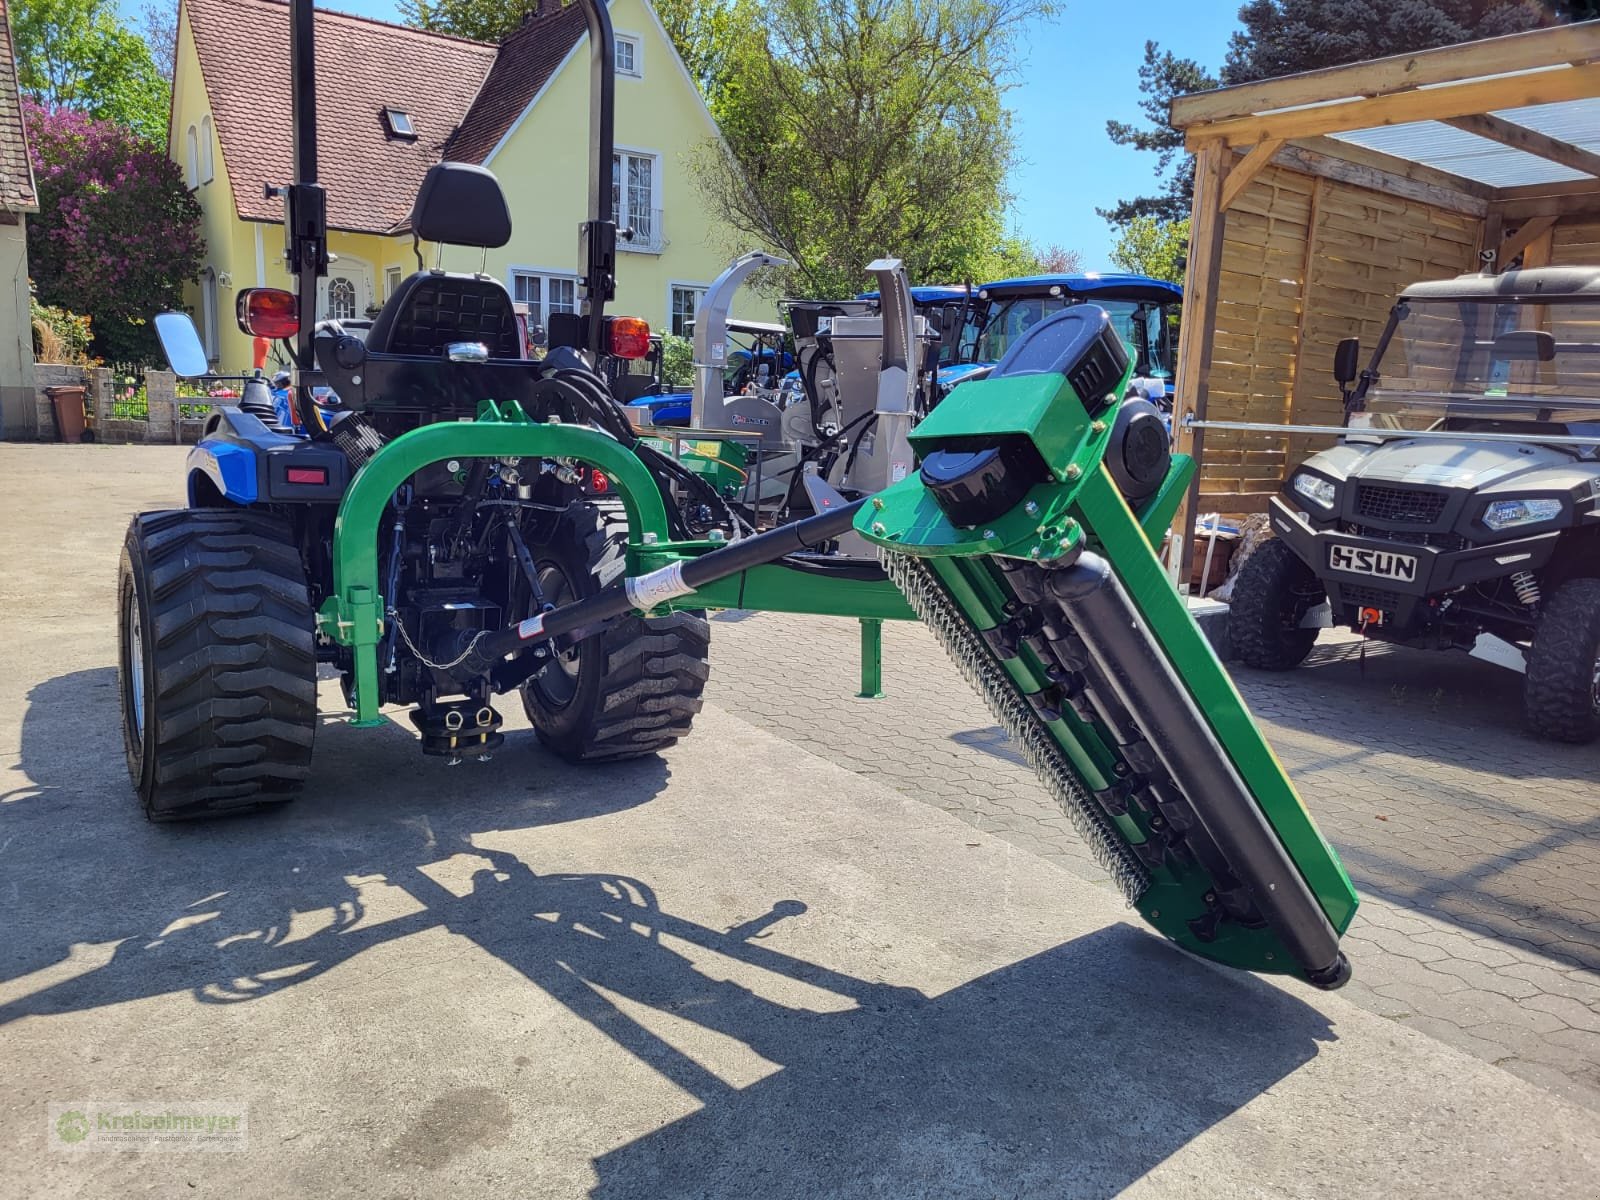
{"x":462,"y":523}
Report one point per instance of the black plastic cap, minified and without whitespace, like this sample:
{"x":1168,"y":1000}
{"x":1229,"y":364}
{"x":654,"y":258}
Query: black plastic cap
{"x":975,"y":486}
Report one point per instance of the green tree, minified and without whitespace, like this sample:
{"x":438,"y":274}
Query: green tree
{"x":1162,"y":78}
{"x":860,"y":129}
{"x":76,"y":54}
{"x":118,"y":233}
{"x":481,"y":19}
{"x":1154,"y":248}
{"x":701,"y":31}
{"x":1282,"y":37}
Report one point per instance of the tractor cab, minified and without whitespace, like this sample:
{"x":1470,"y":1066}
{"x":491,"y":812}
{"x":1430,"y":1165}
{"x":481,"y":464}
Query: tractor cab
{"x":1144,"y":312}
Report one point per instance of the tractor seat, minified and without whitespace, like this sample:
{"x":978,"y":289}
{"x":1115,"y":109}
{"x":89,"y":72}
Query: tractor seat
{"x":459,"y":204}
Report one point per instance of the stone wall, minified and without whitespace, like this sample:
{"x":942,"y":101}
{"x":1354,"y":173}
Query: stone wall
{"x":169,"y":421}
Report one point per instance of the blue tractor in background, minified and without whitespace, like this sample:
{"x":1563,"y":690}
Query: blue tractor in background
{"x":1144,"y":312}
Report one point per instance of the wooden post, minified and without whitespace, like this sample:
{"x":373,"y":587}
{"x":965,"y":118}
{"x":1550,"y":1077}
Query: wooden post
{"x":1207,"y":222}
{"x":1291,"y":450}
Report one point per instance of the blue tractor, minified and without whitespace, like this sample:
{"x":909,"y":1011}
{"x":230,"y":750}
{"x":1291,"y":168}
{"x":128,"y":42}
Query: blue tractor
{"x":1144,"y":312}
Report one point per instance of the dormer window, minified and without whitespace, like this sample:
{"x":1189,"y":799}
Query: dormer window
{"x":397,"y":124}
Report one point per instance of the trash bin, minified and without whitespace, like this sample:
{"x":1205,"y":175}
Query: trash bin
{"x":71,"y":419}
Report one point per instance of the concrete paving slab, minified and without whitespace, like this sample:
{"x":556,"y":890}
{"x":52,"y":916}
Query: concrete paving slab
{"x":737,"y":970}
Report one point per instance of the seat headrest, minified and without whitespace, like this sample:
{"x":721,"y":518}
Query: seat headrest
{"x":460,"y":204}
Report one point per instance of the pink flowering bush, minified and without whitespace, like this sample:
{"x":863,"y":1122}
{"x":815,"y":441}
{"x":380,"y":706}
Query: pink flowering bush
{"x":117,"y":234}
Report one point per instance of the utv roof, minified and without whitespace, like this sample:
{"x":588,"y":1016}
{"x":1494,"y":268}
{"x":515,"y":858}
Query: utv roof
{"x":1093,"y":283}
{"x":1536,"y":283}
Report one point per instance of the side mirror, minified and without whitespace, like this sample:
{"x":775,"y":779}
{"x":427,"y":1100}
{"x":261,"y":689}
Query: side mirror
{"x":1525,"y":345}
{"x":1346,"y":360}
{"x":180,"y":342}
{"x":952,"y":321}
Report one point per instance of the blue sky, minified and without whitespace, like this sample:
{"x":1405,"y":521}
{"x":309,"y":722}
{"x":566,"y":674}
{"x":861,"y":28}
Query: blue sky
{"x":1081,"y":69}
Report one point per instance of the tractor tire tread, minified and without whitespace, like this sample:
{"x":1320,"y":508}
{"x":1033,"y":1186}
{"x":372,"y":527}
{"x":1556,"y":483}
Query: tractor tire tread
{"x":655,"y":667}
{"x":1257,"y":634}
{"x":233,"y":695}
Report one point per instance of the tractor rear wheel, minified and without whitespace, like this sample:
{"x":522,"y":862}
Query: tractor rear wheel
{"x":217,"y":669}
{"x":631,"y":689}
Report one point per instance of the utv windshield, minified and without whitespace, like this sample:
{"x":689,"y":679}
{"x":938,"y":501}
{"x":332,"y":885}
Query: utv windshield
{"x":1143,"y":326}
{"x":1470,"y":362}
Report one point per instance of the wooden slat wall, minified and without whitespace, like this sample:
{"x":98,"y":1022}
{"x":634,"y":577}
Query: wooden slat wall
{"x":1575,"y":245}
{"x":1307,"y":261}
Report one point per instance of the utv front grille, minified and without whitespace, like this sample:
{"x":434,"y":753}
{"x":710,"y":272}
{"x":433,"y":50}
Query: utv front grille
{"x":1409,"y":537}
{"x":1400,"y":506}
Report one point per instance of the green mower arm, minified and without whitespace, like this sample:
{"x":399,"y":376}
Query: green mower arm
{"x":1014,"y":544}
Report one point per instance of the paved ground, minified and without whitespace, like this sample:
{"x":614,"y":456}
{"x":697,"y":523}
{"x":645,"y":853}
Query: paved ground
{"x":740,"y":970}
{"x":1476,"y":850}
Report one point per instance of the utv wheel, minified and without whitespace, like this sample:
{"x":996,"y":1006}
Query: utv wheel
{"x":1273,"y":593}
{"x":1561,"y":691}
{"x":216,"y":666}
{"x":630,"y":690}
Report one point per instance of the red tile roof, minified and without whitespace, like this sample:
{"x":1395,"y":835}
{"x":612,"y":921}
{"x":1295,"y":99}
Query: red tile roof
{"x":16,"y":172}
{"x":362,"y":66}
{"x":528,"y":58}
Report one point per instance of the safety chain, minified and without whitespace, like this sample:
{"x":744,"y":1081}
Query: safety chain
{"x":405,"y":637}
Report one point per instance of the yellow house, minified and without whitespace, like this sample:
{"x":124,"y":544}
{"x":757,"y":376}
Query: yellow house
{"x":393,"y":100}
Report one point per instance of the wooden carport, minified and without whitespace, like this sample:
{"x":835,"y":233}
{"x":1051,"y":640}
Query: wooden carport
{"x":1319,"y":196}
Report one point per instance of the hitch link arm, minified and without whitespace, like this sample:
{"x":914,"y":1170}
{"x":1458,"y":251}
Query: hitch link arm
{"x":644,"y":592}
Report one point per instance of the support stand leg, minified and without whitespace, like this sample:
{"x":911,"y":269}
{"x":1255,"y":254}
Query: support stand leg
{"x":871,"y":659}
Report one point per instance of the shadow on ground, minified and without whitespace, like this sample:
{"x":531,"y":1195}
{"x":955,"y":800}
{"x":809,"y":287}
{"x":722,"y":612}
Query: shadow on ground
{"x":1005,"y":1083}
{"x":1392,"y":720}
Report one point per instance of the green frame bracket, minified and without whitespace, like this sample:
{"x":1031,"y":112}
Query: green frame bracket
{"x":353,"y":615}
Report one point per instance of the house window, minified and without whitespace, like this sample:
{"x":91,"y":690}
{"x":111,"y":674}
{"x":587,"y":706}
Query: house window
{"x":544,"y":294}
{"x":397,"y":124}
{"x":341,"y":298}
{"x":208,"y":170}
{"x":210,"y":317}
{"x":685,"y":303}
{"x":191,"y":159}
{"x":629,"y":61}
{"x":391,"y":281}
{"x":633,"y":188}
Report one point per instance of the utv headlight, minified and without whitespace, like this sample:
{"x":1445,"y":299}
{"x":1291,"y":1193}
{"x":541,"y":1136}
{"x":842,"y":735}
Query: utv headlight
{"x":1315,"y":489}
{"x":1507,"y":514}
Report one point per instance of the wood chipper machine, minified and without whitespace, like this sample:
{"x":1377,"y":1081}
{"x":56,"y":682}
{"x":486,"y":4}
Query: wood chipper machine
{"x":458,"y":522}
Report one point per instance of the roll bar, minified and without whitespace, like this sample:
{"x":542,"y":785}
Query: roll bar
{"x":305,"y":201}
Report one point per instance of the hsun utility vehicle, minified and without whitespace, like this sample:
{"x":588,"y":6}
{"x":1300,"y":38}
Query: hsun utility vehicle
{"x":1461,"y":507}
{"x":467,"y":523}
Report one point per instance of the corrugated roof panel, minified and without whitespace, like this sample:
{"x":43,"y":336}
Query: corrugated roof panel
{"x":1575,"y":121}
{"x":1446,"y":148}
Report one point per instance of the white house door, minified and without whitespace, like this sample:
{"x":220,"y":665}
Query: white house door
{"x":346,"y":292}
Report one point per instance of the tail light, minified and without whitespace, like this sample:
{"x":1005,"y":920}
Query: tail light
{"x":598,"y":483}
{"x":268,"y":312}
{"x":630,"y":337}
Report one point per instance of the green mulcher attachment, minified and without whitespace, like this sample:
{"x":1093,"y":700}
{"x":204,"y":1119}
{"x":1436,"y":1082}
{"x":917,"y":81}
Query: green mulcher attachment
{"x":1018,"y":548}
{"x":1024,"y":535}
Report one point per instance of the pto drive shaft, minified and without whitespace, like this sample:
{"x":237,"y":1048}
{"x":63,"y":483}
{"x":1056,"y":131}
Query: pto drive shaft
{"x":645,"y":592}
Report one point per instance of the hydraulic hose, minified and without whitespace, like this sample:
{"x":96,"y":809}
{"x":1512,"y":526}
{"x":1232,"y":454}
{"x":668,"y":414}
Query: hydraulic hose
{"x":644,"y":592}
